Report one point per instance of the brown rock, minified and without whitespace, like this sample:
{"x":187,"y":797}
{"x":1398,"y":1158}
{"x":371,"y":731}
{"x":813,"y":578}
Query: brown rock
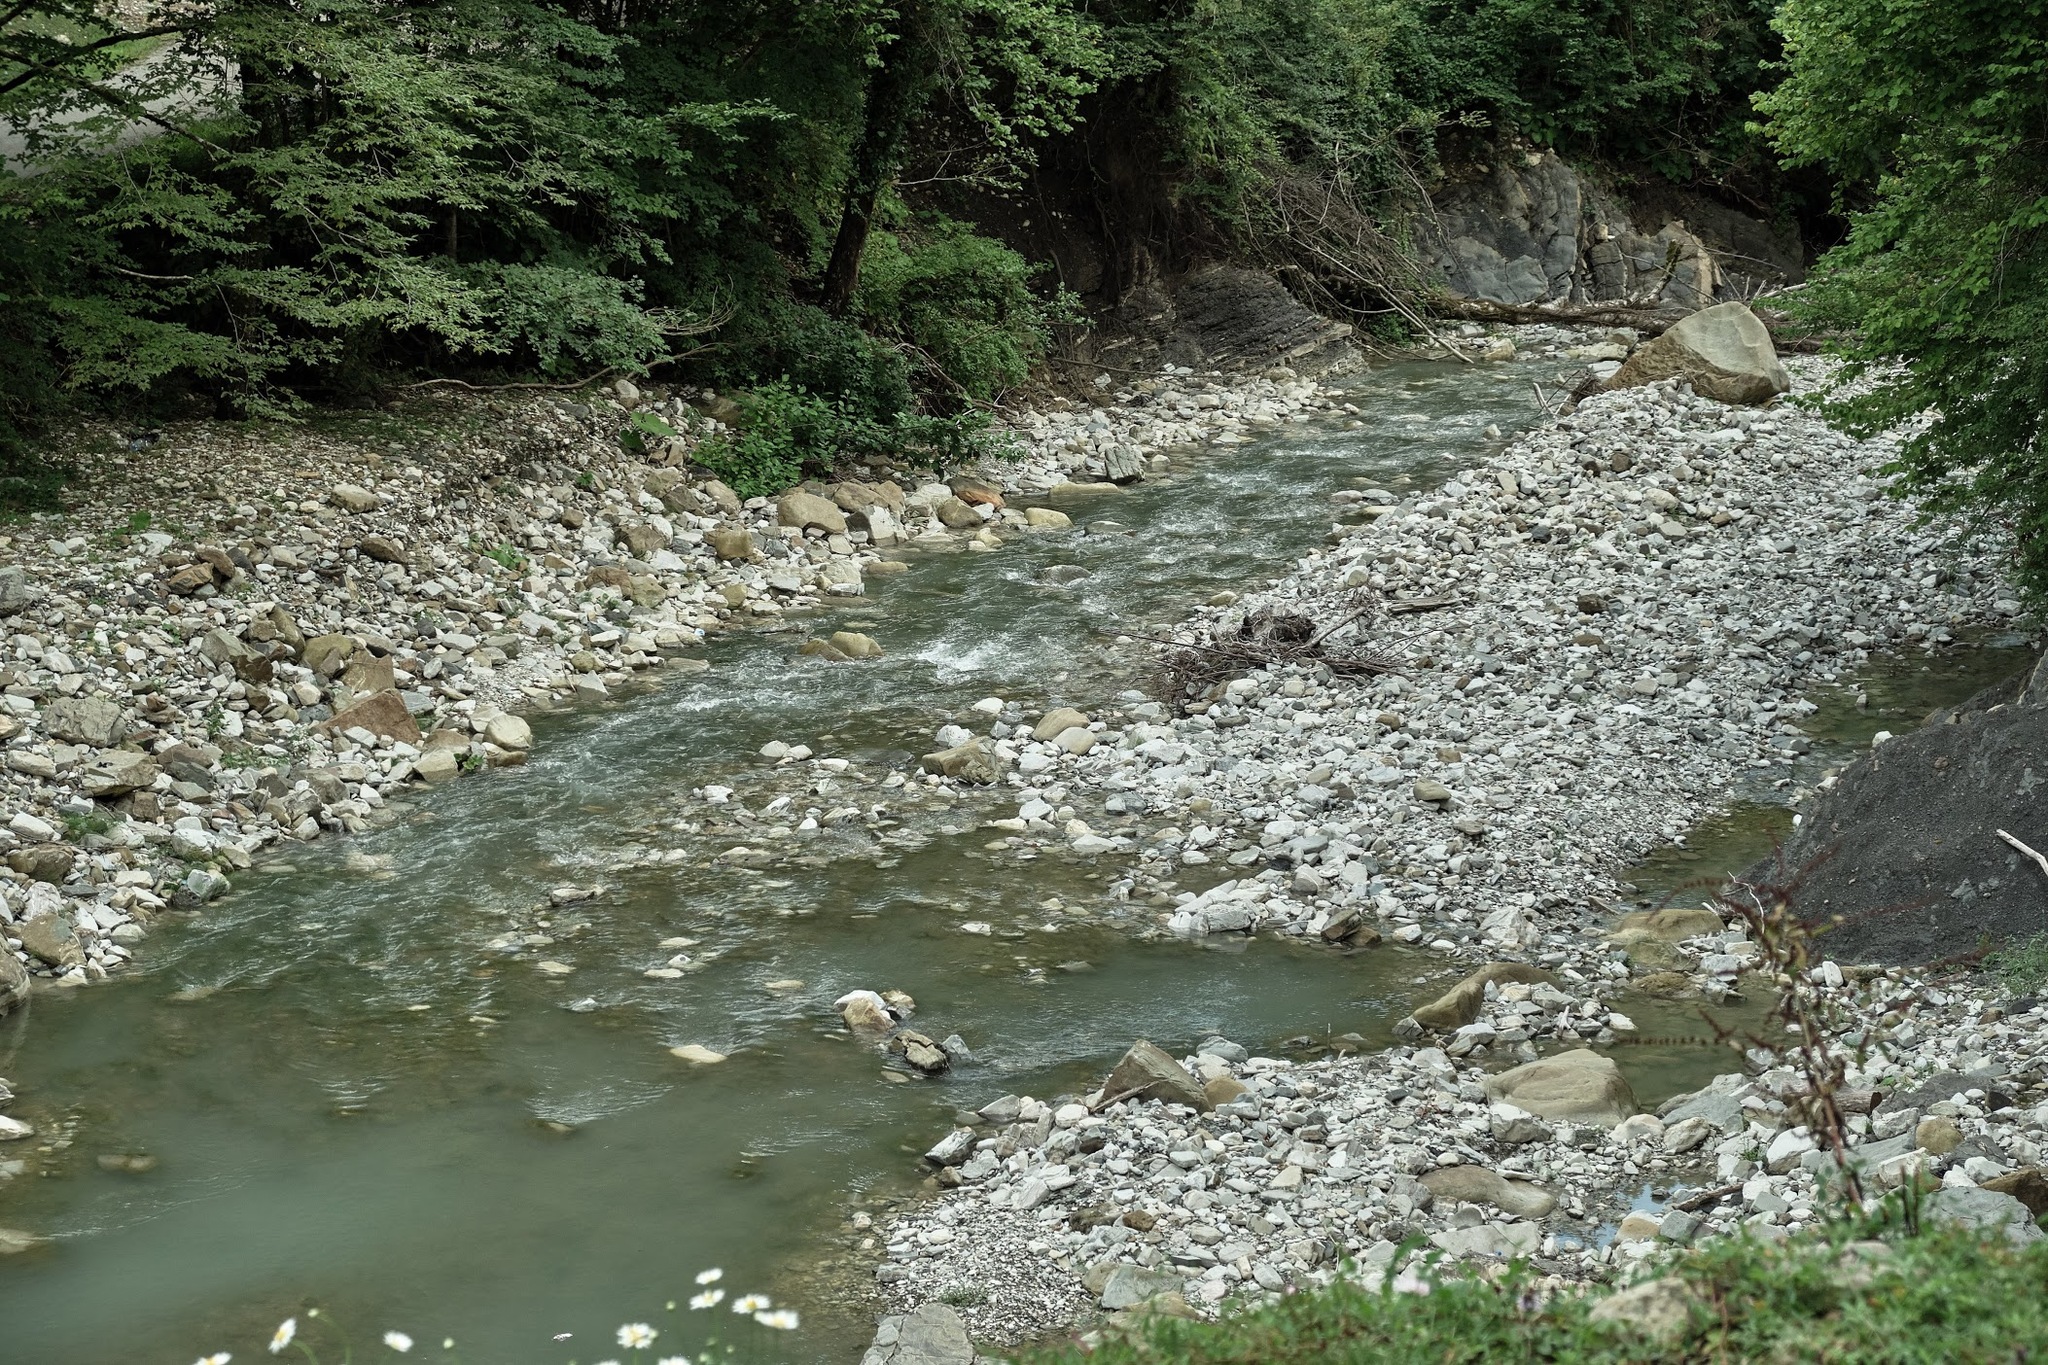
{"x":957,"y":514}
{"x":367,"y":672}
{"x":1147,"y":1072}
{"x":2029,"y":1185}
{"x":1223,"y":1090}
{"x":731,"y":544}
{"x":970,"y":762}
{"x":641,"y":539}
{"x":975,"y":493}
{"x":328,"y":654}
{"x":190,"y":579}
{"x":1724,"y":352}
{"x":855,"y":645}
{"x":1460,"y":1005}
{"x":43,"y":863}
{"x":722,"y":497}
{"x":382,"y":548}
{"x":381,"y":713}
{"x":52,"y":942}
{"x":921,"y":1052}
{"x":809,"y":511}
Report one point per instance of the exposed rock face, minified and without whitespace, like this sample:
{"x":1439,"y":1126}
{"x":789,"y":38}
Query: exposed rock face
{"x":1918,"y":871}
{"x":1724,"y":352}
{"x":1228,"y":318}
{"x":1530,"y":228}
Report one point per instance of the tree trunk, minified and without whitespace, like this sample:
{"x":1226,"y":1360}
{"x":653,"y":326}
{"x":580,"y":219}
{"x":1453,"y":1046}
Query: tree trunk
{"x":892,"y":91}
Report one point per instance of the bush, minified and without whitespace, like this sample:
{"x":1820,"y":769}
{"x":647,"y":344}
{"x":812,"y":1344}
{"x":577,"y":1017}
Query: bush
{"x":961,"y":303}
{"x":785,"y":432}
{"x":810,"y":350}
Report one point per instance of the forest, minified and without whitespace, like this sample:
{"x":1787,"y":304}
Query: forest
{"x":836,"y":208}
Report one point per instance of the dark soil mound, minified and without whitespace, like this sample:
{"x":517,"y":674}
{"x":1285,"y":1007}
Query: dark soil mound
{"x":1909,"y":855}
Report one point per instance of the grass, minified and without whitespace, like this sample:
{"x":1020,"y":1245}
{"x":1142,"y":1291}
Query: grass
{"x":2022,"y":966}
{"x":1942,"y":1296}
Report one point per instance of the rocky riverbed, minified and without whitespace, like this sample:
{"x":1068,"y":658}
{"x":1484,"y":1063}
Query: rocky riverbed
{"x":239,"y":641}
{"x":1604,"y":632}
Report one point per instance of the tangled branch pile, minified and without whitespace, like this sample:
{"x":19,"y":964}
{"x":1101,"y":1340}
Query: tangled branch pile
{"x":1333,"y":630}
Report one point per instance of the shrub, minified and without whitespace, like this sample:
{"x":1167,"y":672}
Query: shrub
{"x":961,"y":303}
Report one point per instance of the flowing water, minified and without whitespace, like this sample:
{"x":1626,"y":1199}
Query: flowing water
{"x":346,"y":1097}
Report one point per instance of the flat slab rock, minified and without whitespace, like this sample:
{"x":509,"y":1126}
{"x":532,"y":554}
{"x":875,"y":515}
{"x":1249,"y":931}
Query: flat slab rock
{"x":933,"y":1335}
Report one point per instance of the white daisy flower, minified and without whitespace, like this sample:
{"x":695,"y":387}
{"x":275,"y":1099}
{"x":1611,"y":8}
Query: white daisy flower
{"x":711,"y":1276}
{"x":710,"y":1298}
{"x":217,"y":1358}
{"x":635,"y":1336}
{"x":751,"y":1303}
{"x":398,"y":1341}
{"x":282,"y":1337}
{"x":782,"y":1319}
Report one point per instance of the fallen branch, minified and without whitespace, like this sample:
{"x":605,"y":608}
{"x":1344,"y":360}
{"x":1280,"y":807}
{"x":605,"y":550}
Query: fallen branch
{"x":1692,"y":1203}
{"x":2040,"y":859}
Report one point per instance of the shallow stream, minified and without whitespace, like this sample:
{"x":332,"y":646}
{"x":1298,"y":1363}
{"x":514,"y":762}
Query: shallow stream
{"x":346,"y":1097}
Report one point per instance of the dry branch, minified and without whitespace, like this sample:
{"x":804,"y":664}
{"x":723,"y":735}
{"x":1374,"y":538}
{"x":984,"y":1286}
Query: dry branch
{"x":1332,"y":631}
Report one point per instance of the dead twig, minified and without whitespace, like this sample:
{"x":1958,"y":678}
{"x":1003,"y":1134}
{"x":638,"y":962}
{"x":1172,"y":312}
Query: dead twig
{"x":1271,"y":637}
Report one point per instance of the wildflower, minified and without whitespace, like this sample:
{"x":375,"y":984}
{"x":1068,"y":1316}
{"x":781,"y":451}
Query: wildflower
{"x":217,"y":1358}
{"x":282,"y":1337}
{"x":711,"y":1276}
{"x":1408,"y":1282}
{"x":751,"y":1303}
{"x":398,"y":1341}
{"x":710,"y":1298}
{"x":447,"y":1343}
{"x":782,"y":1319}
{"x":636,"y":1336}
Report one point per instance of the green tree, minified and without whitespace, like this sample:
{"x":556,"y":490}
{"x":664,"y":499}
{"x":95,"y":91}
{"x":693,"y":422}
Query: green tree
{"x":1934,"y":116}
{"x":1007,"y":72}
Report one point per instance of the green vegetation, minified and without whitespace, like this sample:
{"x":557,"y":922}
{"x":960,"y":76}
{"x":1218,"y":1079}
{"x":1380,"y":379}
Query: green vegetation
{"x":2022,"y":965}
{"x":1933,"y":114}
{"x":777,"y":195}
{"x":810,"y":200}
{"x":1939,"y":1297}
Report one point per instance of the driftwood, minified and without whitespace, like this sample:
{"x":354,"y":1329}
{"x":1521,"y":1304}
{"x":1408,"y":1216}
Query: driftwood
{"x":1646,"y":318}
{"x":1331,"y":630}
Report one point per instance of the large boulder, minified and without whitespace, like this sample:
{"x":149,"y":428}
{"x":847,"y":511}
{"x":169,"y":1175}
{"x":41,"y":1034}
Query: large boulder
{"x":1581,"y":1086}
{"x":381,"y":713}
{"x":85,"y":720}
{"x":1984,"y":1210}
{"x":1460,"y":1005}
{"x":969,"y":762}
{"x":1477,"y":1185}
{"x":810,"y":512}
{"x":52,"y":942}
{"x":1147,"y":1072}
{"x":1724,"y":352}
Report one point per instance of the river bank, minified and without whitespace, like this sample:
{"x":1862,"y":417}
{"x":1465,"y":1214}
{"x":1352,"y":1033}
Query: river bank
{"x":1625,"y":610}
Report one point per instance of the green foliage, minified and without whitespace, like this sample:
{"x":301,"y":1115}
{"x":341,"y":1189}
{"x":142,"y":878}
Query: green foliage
{"x":785,"y":431}
{"x":961,"y":304}
{"x":1938,"y":1297}
{"x":2022,"y":965}
{"x":1943,"y":104}
{"x":812,"y":351}
{"x":1661,"y":82}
